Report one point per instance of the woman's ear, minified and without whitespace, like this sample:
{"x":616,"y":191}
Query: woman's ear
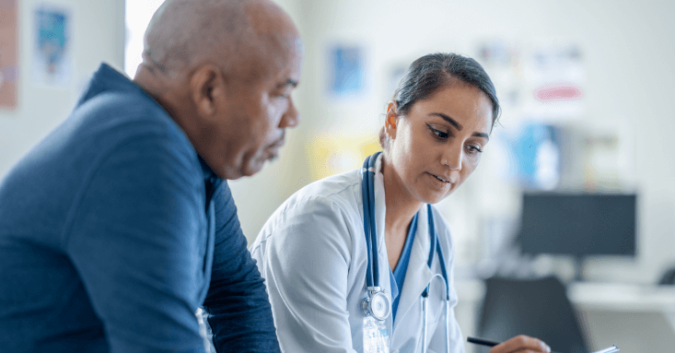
{"x":391,"y":120}
{"x":206,"y":84}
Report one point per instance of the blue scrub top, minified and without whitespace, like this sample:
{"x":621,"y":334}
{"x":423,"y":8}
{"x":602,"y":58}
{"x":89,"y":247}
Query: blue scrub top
{"x":398,"y":276}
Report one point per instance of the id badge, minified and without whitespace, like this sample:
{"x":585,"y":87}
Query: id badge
{"x":375,"y":336}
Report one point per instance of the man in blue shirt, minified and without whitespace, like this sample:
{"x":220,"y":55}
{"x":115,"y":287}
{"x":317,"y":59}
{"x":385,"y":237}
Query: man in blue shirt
{"x":117,"y":226}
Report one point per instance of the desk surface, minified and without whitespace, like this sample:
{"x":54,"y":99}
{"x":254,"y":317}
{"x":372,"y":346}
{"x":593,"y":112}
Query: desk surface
{"x":622,"y":297}
{"x":637,"y":318}
{"x":595,"y":296}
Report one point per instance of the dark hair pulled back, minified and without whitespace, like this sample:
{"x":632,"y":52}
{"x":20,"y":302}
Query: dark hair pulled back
{"x":430,"y":72}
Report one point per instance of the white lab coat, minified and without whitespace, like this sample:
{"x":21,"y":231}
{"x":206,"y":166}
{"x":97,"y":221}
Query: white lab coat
{"x":312,"y":254}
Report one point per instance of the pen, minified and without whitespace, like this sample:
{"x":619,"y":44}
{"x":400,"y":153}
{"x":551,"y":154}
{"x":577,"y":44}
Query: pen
{"x":483,"y":342}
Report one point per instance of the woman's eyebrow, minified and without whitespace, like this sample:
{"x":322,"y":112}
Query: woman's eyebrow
{"x":482,"y":134}
{"x":450,"y":120}
{"x":457,"y":126}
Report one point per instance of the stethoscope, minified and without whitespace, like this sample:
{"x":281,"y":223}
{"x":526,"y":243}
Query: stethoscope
{"x":376,"y":303}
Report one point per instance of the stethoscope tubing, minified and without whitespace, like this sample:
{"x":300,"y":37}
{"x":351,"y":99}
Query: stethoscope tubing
{"x":371,"y":206}
{"x":447,"y":324}
{"x":369,"y":225}
{"x":424,"y":324}
{"x":370,"y":280}
{"x":425,"y":309}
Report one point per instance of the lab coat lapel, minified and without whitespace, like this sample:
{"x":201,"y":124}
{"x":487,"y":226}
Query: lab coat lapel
{"x":418,"y":274}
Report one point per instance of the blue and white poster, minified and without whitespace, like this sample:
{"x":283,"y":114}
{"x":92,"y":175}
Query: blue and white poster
{"x":346,"y":76}
{"x":52,"y":59}
{"x":536,"y":151}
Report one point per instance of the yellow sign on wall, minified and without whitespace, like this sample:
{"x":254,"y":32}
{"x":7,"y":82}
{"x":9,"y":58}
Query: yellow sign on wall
{"x":332,"y":154}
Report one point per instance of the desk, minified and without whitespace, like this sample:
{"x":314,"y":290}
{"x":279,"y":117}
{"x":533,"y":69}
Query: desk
{"x":622,"y":297}
{"x":637,"y":318}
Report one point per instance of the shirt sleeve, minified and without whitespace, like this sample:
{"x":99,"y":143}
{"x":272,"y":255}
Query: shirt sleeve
{"x":239,"y":310}
{"x":306,"y":265}
{"x":135,"y":241}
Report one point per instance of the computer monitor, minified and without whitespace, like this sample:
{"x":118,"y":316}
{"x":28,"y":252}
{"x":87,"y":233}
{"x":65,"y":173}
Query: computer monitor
{"x":578,"y":224}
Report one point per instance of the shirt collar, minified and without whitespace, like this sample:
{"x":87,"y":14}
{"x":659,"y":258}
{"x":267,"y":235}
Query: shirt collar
{"x":208,"y":173}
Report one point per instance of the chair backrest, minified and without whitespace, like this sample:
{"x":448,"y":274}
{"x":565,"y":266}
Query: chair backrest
{"x":537,"y":308}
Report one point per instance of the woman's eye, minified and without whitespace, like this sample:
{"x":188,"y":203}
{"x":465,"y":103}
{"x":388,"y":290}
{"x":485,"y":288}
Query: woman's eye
{"x":474,"y":149}
{"x":440,"y":134}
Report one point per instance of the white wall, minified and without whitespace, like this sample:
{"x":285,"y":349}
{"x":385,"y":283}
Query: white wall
{"x":629,"y":51}
{"x":628,"y":47}
{"x":97,"y":34}
{"x":258,"y":196}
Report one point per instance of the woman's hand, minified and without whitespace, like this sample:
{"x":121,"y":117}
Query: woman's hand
{"x":521,"y":344}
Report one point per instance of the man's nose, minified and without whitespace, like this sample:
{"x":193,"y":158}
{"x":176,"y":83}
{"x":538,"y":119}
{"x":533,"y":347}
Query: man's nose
{"x":291,"y":117}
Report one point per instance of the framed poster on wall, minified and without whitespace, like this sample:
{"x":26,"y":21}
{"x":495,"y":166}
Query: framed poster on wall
{"x":8,"y":53}
{"x":52,"y":59}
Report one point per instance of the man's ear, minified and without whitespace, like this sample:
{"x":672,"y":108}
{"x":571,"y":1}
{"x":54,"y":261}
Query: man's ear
{"x":391,"y":120}
{"x":206,"y":84}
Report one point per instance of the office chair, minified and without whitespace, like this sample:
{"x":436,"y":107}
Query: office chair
{"x":668,"y":277}
{"x":537,"y":308}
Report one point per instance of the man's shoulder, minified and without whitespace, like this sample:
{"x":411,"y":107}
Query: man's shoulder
{"x":117,"y":118}
{"x":106,"y":136}
{"x":122,"y":109}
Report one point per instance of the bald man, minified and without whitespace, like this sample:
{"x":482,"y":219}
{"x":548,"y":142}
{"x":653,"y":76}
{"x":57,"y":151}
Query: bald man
{"x":118,"y":226}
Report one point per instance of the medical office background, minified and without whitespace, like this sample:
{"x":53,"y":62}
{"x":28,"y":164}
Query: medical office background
{"x":586,"y":89}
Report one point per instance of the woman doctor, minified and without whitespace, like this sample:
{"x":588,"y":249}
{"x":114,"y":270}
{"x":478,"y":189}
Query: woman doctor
{"x":358,"y":262}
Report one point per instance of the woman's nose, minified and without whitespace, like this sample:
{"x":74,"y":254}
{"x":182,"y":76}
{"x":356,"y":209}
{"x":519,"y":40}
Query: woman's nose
{"x":452,"y":158}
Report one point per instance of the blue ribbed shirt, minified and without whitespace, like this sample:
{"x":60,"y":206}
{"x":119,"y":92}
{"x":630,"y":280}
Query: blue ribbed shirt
{"x":113,"y":232}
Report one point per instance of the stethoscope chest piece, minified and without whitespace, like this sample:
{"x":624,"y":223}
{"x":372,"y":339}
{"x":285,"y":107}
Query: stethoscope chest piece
{"x":376,"y":304}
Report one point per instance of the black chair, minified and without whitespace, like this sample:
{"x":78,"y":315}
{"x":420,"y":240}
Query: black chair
{"x":537,"y":308}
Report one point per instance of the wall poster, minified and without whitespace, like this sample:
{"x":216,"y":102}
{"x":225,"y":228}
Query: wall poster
{"x":8,"y":53}
{"x":347,"y":72}
{"x":52,"y":59}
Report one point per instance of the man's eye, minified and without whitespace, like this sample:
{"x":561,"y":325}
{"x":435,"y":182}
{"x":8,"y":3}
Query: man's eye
{"x":284,"y":94}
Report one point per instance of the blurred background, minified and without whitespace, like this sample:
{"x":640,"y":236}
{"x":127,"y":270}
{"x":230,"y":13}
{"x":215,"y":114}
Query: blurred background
{"x":576,"y":181}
